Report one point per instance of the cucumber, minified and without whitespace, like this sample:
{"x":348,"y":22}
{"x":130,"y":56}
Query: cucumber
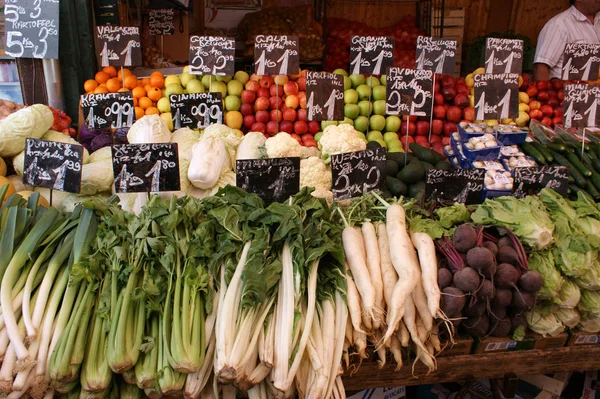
{"x":595,"y":179}
{"x":576,"y":190}
{"x":533,"y":153}
{"x":585,"y":158}
{"x":577,"y":163}
{"x":577,"y":177}
{"x":589,"y":187}
{"x":592,"y":154}
{"x":544,"y":151}
{"x":558,"y":147}
{"x":596,"y":165}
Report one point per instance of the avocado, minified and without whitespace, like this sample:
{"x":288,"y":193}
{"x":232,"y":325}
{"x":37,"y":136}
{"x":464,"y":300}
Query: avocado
{"x":395,"y":186}
{"x":424,"y":154}
{"x":443,"y":165}
{"x":391,"y":168}
{"x":416,"y":190}
{"x":399,"y":157}
{"x":386,"y":194}
{"x":412,"y":173}
{"x":373,"y":145}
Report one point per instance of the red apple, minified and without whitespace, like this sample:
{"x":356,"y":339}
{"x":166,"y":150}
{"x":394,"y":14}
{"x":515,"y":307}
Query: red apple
{"x":301,"y":115}
{"x":249,"y":120}
{"x":454,"y":114}
{"x":246,"y":109}
{"x":289,"y":114}
{"x":255,"y":77}
{"x":552,"y":93}
{"x":458,"y":81}
{"x":462,"y":88}
{"x":438,"y":99}
{"x":290,"y":88}
{"x":553,"y":102}
{"x":314,"y":127}
{"x":406,"y":140}
{"x":543,"y":96}
{"x":532,"y":91}
{"x":439,"y":112}
{"x":248,"y":96}
{"x":534,"y":105}
{"x":422,"y":128}
{"x":558,"y":111}
{"x":411,"y":118}
{"x":422,"y":141}
{"x":298,"y":139}
{"x":292,"y":101}
{"x":276,"y":91}
{"x":272,"y":128}
{"x":557,"y":84}
{"x":547,"y":121}
{"x":275,"y":115}
{"x":438,"y":86}
{"x":435,"y":139}
{"x":286,"y":126}
{"x":560,"y":95}
{"x":276,"y":102}
{"x":252,"y":85}
{"x":412,"y":128}
{"x":437,"y":126}
{"x":263,"y":92}
{"x":449,"y":92}
{"x":547,"y":110}
{"x":300,"y":127}
{"x":302,"y":97}
{"x":301,"y":84}
{"x":449,"y":128}
{"x":261,"y":104}
{"x":262,"y":116}
{"x":447,"y":81}
{"x":280,"y":79}
{"x":445,"y":140}
{"x":542,"y":84}
{"x":557,"y":120}
{"x":307,"y":138}
{"x":438,"y":147}
{"x":258,"y":127}
{"x":461,"y":101}
{"x":469,"y":114}
{"x":266,"y":81}
{"x":536,"y":114}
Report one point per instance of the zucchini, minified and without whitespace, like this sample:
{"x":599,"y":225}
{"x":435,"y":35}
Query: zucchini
{"x":577,"y":163}
{"x":544,"y":151}
{"x":578,"y":178}
{"x":533,"y":153}
{"x":558,"y":147}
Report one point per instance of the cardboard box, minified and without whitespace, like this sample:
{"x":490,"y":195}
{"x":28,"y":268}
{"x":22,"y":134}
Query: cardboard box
{"x":531,"y":341}
{"x":577,"y":338}
{"x":462,"y":346}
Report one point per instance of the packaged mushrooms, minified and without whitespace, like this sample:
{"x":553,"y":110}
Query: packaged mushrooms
{"x":488,"y":165}
{"x":519,"y":162}
{"x":479,"y":143}
{"x":500,"y":180}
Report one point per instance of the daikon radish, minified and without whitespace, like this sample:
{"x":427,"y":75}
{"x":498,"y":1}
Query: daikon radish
{"x":425,"y":247}
{"x":374,"y":265}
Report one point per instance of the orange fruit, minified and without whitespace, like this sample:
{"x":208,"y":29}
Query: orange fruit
{"x":139,"y":113}
{"x":138,"y":92}
{"x":113,"y":85}
{"x":130,"y":82}
{"x":147,"y":88}
{"x":157,"y":80}
{"x":145,"y":81}
{"x":90,"y":85}
{"x":102,"y":77}
{"x":10,"y":187}
{"x":111,"y":71}
{"x":155,"y":94}
{"x":157,"y":73}
{"x":123,"y":90}
{"x":144,"y":102}
{"x":152,"y":111}
{"x":100,"y":89}
{"x":135,"y":102}
{"x":123,"y":72}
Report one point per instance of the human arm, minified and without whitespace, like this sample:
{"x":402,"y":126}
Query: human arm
{"x":548,"y":53}
{"x":541,"y":71}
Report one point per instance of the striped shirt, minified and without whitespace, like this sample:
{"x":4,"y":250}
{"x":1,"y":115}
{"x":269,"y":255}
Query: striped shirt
{"x":570,"y":26}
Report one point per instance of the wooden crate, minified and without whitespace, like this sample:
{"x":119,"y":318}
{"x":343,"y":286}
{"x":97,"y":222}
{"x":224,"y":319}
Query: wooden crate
{"x":454,"y":28}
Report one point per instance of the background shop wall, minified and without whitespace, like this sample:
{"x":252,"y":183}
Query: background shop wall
{"x":529,"y":17}
{"x":378,"y":14}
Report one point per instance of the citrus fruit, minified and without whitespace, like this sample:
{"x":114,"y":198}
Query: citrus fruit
{"x":123,"y":90}
{"x":144,"y":102}
{"x":90,"y":85}
{"x":102,"y":77}
{"x":130,"y":82}
{"x":152,"y":111}
{"x":147,"y":88}
{"x":113,"y":85}
{"x":145,"y":81}
{"x":139,"y":113}
{"x":157,"y":80}
{"x":135,"y":102}
{"x":2,"y":167}
{"x":155,"y":94}
{"x":11,"y":188}
{"x":123,"y":72}
{"x":138,"y":92}
{"x":42,"y":201}
{"x":111,"y":71}
{"x":101,"y":90}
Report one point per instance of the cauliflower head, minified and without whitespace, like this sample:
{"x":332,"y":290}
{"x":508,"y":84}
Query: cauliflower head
{"x":282,"y":145}
{"x":314,"y":173}
{"x":339,"y":139}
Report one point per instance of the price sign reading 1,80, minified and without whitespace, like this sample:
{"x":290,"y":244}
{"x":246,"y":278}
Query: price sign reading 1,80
{"x":581,"y":104}
{"x":276,"y":55}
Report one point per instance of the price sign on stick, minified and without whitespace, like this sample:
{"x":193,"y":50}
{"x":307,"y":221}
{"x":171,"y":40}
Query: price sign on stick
{"x":325,"y":96}
{"x":409,"y":92}
{"x":357,"y":173}
{"x":454,"y":185}
{"x":119,"y":45}
{"x":162,"y":21}
{"x":274,"y":180}
{"x":437,"y":55}
{"x":276,"y":55}
{"x":371,"y":55}
{"x":31,"y":28}
{"x":530,"y":181}
{"x":212,"y":55}
{"x":196,"y":110}
{"x":496,"y":96}
{"x":140,"y":168}
{"x":53,"y":165}
{"x":108,"y":110}
{"x":580,"y":106}
{"x":503,"y":55}
{"x":581,"y":61}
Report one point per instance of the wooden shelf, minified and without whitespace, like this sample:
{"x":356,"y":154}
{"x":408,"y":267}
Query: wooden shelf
{"x":482,"y":366}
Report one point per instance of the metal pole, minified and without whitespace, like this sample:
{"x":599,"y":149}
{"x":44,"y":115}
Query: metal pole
{"x":53,"y":80}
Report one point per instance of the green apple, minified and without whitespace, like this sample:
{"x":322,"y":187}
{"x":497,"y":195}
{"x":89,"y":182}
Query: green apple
{"x":379,"y":107}
{"x":379,"y":93}
{"x":173,"y":88}
{"x":206,"y":79}
{"x":172,"y":79}
{"x":392,"y":123}
{"x":232,"y":103}
{"x":224,"y":79}
{"x":383,"y":79}
{"x":357,"y":79}
{"x":350,"y":96}
{"x":351,"y":111}
{"x":377,"y":122}
{"x":186,"y":69}
{"x":362,"y":136}
{"x":324,"y":124}
{"x":219,"y":87}
{"x":340,"y":71}
{"x":164,"y":105}
{"x":372,"y":81}
{"x":395,"y":146}
{"x":361,"y":123}
{"x":366,"y":107}
{"x":195,"y":86}
{"x":364,"y":92}
{"x":186,"y":78}
{"x":317,"y":136}
{"x":347,"y":83}
{"x":390,"y":136}
{"x":234,"y":88}
{"x":374,"y":135}
{"x":382,"y":143}
{"x":242,"y":77}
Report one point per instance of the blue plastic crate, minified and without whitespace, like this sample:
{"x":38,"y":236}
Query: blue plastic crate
{"x":497,"y":165}
{"x":510,"y":138}
{"x":462,"y":159}
{"x":465,"y":136}
{"x":484,"y":154}
{"x":495,"y":193}
{"x":507,"y":151}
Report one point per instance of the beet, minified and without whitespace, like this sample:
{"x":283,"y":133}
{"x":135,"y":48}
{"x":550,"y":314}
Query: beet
{"x":487,"y":291}
{"x":504,"y":242}
{"x":492,"y":247}
{"x":517,"y":320}
{"x":497,"y":312}
{"x":466,"y":280}
{"x":464,"y":238}
{"x":482,"y":260}
{"x":477,"y":326}
{"x":508,"y":255}
{"x":453,"y":300}
{"x":475,"y":309}
{"x":501,"y":328}
{"x":531,"y":282}
{"x":444,"y":278}
{"x":523,"y":300}
{"x":506,"y":276}
{"x":503,"y":297}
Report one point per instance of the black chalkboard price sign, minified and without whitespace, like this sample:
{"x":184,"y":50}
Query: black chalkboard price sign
{"x":503,"y":55}
{"x":31,"y":28}
{"x":454,"y":185}
{"x":140,"y":168}
{"x":581,"y":61}
{"x":581,"y":105}
{"x":196,"y":110}
{"x":436,"y":54}
{"x":53,"y":165}
{"x":325,"y":94}
{"x":212,"y":55}
{"x":409,"y":92}
{"x":161,"y":21}
{"x":119,"y":45}
{"x":108,"y":110}
{"x":274,"y":180}
{"x":356,"y":173}
{"x":496,"y":96}
{"x":371,"y":55}
{"x":530,"y":181}
{"x":276,"y":55}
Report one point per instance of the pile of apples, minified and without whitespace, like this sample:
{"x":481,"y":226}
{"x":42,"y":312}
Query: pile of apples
{"x":545,"y":100}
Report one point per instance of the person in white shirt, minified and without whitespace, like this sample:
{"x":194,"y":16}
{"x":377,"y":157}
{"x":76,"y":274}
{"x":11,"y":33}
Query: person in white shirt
{"x":578,"y":24}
